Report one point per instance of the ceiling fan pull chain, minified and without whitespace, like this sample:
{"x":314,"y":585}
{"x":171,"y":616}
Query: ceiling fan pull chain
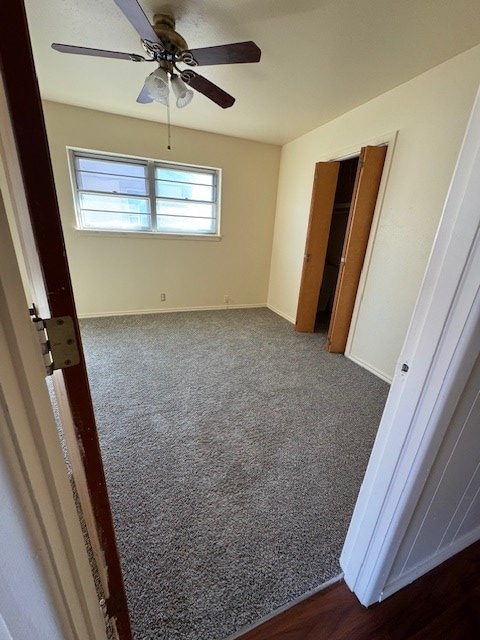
{"x":168,"y":127}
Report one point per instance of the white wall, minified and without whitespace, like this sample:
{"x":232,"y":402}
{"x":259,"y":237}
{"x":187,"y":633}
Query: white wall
{"x":430,"y":113}
{"x":115,"y":274}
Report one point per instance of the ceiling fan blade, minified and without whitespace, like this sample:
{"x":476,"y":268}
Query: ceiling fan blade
{"x":210,"y":90}
{"x":227,"y":53}
{"x":139,"y":21}
{"x":102,"y":53}
{"x":144,"y":97}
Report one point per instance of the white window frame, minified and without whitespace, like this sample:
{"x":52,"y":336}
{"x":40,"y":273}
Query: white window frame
{"x":150,"y":164}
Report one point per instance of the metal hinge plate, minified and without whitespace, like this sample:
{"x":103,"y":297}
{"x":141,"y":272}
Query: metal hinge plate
{"x":110,"y":623}
{"x":57,"y":342}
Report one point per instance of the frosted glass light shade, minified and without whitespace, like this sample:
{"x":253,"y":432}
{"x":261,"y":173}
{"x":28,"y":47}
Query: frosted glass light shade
{"x":157,"y":85}
{"x":182,"y":93}
{"x":162,"y":99}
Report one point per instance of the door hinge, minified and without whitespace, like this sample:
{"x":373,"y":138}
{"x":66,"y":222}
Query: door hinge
{"x":110,"y":625}
{"x":58,"y":343}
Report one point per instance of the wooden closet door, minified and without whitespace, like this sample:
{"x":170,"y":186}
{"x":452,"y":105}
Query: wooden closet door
{"x":365,"y":194}
{"x":321,"y":209}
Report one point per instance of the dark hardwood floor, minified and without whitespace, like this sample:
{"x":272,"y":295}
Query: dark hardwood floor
{"x":442,"y":605}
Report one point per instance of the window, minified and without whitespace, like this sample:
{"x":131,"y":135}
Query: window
{"x":114,"y":193}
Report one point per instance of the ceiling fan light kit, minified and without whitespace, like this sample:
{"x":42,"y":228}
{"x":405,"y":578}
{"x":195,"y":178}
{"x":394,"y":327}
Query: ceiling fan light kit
{"x":163,"y":45}
{"x":157,"y":85}
{"x":183,"y":94}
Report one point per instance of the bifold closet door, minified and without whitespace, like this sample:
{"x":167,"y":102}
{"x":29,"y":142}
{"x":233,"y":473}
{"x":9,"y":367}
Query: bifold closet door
{"x":321,"y":209}
{"x":367,"y":184}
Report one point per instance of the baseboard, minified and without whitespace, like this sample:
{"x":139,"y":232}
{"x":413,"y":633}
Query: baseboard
{"x":280,"y":313}
{"x":238,"y":634}
{"x":140,"y":312}
{"x":368,"y":367}
{"x":430,"y":563}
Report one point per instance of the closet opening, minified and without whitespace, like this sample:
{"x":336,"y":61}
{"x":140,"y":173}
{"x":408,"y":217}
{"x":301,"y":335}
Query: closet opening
{"x":338,"y":227}
{"x":343,"y":202}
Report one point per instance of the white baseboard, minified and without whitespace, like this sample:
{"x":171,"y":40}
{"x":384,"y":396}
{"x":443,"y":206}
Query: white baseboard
{"x":280,"y":313}
{"x":139,"y":312}
{"x":368,"y":367}
{"x":305,"y":596}
{"x":430,"y":563}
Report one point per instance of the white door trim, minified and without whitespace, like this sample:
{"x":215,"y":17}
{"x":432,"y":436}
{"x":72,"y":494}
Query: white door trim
{"x":440,"y":349}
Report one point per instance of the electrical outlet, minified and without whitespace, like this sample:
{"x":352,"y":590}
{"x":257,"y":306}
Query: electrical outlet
{"x":163,"y":297}
{"x":226,"y":299}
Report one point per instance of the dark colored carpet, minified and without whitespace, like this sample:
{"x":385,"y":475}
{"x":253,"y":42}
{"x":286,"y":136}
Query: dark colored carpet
{"x":234,"y":449}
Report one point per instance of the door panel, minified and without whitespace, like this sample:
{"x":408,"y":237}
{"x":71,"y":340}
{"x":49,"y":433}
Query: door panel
{"x":321,"y":208}
{"x":44,"y":252}
{"x":365,"y":194}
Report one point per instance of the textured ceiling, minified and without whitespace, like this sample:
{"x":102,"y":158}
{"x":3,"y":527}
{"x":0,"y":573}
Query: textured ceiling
{"x":320,"y":58}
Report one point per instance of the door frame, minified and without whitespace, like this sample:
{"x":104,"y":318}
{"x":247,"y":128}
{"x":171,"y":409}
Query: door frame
{"x":389,"y":140}
{"x":437,"y":357}
{"x":31,"y":189}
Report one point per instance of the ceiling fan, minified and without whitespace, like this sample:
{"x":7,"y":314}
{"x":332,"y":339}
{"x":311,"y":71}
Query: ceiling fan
{"x":162,"y":44}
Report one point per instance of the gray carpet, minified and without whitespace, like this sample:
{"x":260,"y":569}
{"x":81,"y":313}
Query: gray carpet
{"x":234,"y":449}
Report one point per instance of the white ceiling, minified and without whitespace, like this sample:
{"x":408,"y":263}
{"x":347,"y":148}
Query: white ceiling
{"x":320,"y":58}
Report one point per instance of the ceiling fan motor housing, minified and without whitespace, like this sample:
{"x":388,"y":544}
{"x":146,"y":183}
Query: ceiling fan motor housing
{"x":164,"y":27}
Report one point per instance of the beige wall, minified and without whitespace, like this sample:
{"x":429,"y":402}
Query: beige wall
{"x":124,"y":274}
{"x":115,"y":274}
{"x":430,"y":114}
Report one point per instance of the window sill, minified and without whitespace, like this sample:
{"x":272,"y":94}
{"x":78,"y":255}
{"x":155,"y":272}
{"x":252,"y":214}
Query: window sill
{"x":148,"y":234}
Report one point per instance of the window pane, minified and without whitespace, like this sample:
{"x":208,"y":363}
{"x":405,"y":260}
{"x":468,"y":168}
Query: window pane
{"x":184,"y":191}
{"x":180,"y":175}
{"x":114,"y":203}
{"x":185,"y":217}
{"x":189,"y":209}
{"x":115,"y":221}
{"x":112,"y":184}
{"x":110,"y":166}
{"x":170,"y":224}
